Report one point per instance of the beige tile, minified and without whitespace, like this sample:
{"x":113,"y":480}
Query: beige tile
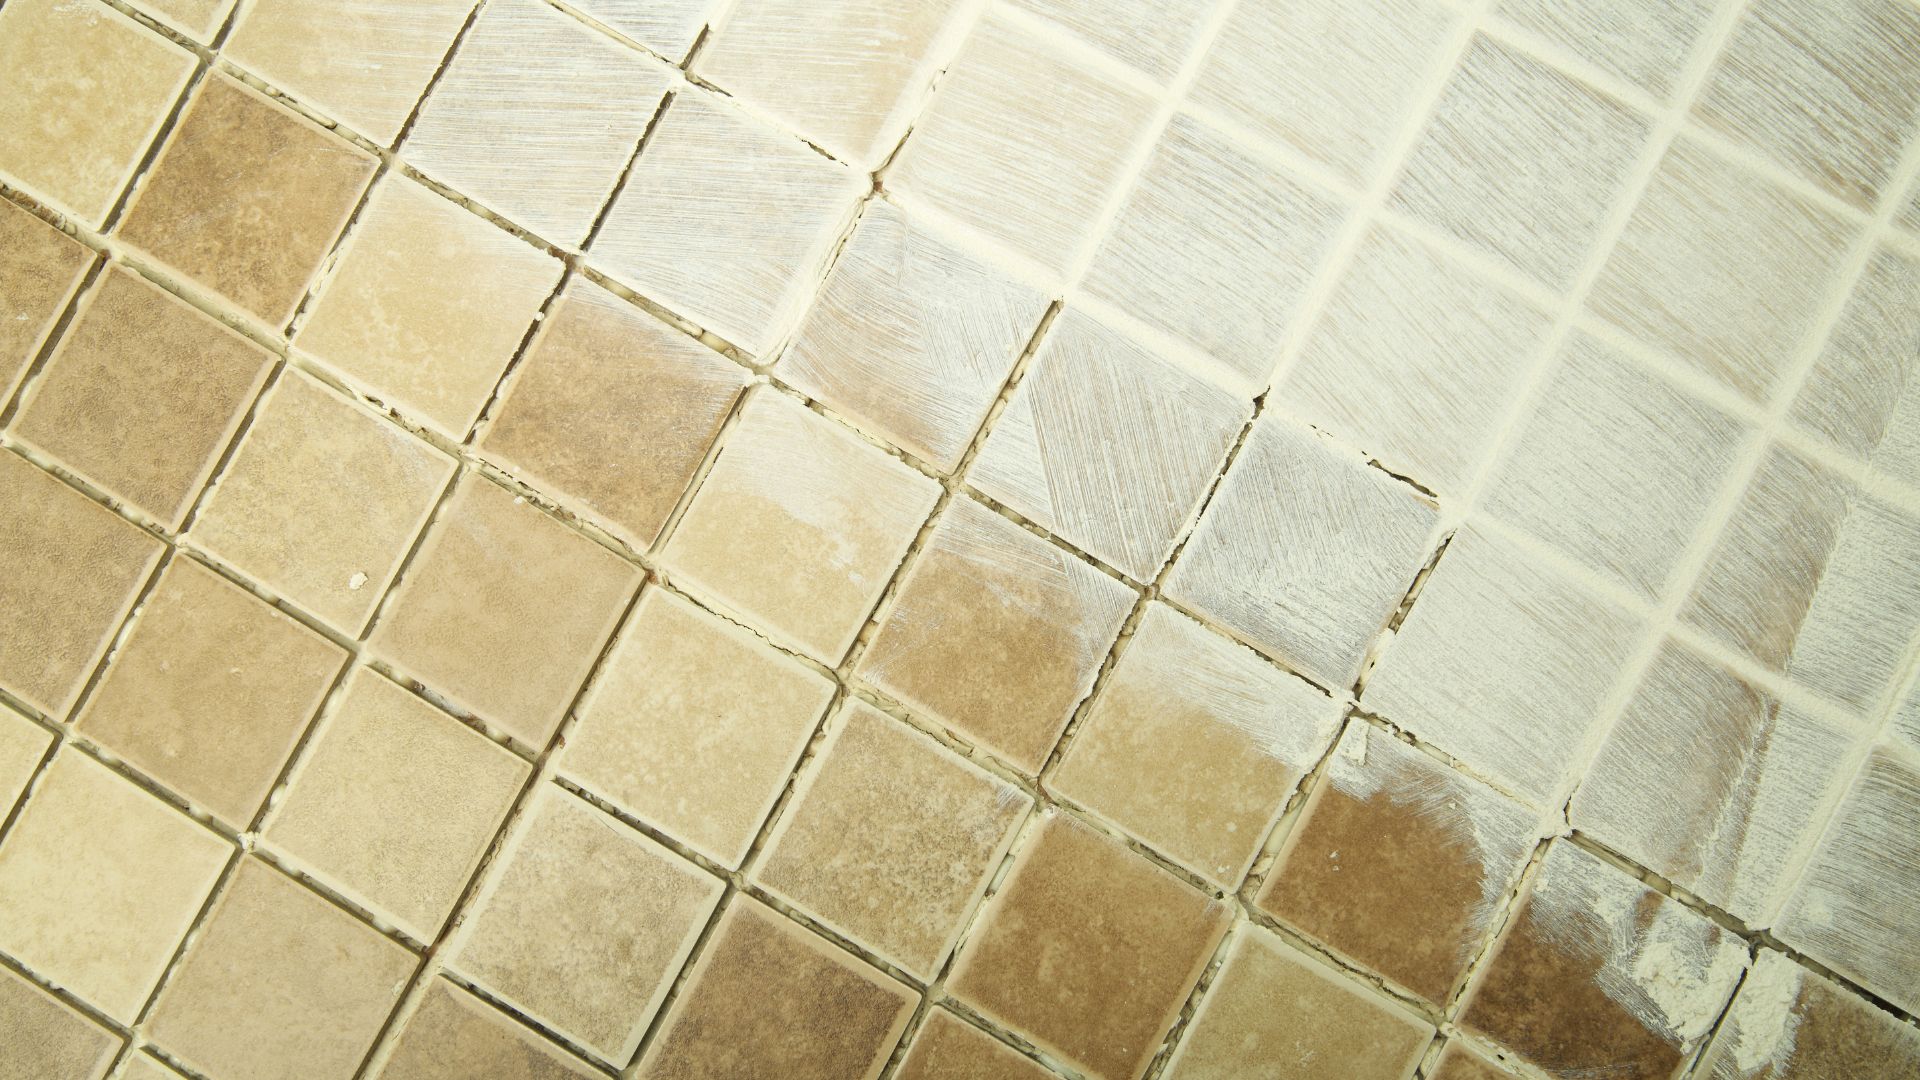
{"x":22,"y":746}
{"x":475,"y":618}
{"x":798,"y":526}
{"x":995,"y":633}
{"x":694,"y":726}
{"x":198,"y":19}
{"x":1151,"y":37}
{"x":40,"y":267}
{"x":148,"y":1067}
{"x":667,"y":27}
{"x":1862,"y":395}
{"x":1088,"y":950}
{"x":321,"y":501}
{"x":583,"y":924}
{"x":210,"y":691}
{"x":1789,"y":1022}
{"x":100,"y":881}
{"x":69,"y":569}
{"x":456,"y":1036}
{"x":891,"y":839}
{"x":278,"y":985}
{"x":394,"y":803}
{"x":286,"y":188}
{"x":428,"y":305}
{"x":948,"y":1048}
{"x":85,"y":91}
{"x":142,"y":394}
{"x":1461,"y":1062}
{"x":48,"y":1038}
{"x":612,"y":411}
{"x":1644,"y":42}
{"x":768,"y":1000}
{"x":1194,"y":745}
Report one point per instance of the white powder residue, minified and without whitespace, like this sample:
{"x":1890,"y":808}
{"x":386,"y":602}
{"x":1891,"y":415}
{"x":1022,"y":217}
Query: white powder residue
{"x":1764,"y":1021}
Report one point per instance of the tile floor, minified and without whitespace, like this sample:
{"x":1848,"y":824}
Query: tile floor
{"x":959,"y":540}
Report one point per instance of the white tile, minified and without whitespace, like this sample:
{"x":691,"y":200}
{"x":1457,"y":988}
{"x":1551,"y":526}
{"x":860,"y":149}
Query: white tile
{"x":1152,"y":36}
{"x":1645,"y":42}
{"x":668,"y":27}
{"x":1863,"y":394}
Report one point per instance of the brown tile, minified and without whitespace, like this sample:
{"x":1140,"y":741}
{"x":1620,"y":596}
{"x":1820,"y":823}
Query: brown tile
{"x":278,"y":985}
{"x":1088,"y":950}
{"x":891,"y":839}
{"x":40,"y":267}
{"x":69,"y":568}
{"x":210,"y":691}
{"x":321,"y":501}
{"x":1277,"y":1013}
{"x":948,"y":1048}
{"x":456,"y":1036}
{"x":394,"y":804}
{"x":995,"y":633}
{"x":1194,"y":744}
{"x":1789,"y":1022}
{"x":612,"y":411}
{"x":22,"y":746}
{"x":100,"y":881}
{"x":1461,"y":1062}
{"x":476,"y":617}
{"x":1399,"y":863}
{"x":142,"y":394}
{"x":583,"y":924}
{"x":769,"y":1000}
{"x":694,"y":726}
{"x":48,"y":1038}
{"x":247,"y":198}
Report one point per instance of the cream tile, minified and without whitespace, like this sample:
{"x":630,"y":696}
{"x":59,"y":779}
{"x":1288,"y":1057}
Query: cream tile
{"x":1154,"y":38}
{"x":40,"y":267}
{"x":22,"y":745}
{"x":1905,"y":722}
{"x":1862,"y":396}
{"x":667,"y":27}
{"x":148,"y":1067}
{"x":948,"y":1048}
{"x":47,"y":1037}
{"x":1788,"y":1022}
{"x":456,"y":1036}
{"x":198,"y":19}
{"x":1644,"y":42}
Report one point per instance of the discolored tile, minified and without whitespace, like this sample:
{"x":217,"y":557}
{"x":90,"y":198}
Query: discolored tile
{"x":1461,"y":1062}
{"x":948,"y":1048}
{"x":1862,"y":396}
{"x":47,"y":1038}
{"x":667,"y":27}
{"x":1088,"y":950}
{"x":891,"y":839}
{"x":1789,"y":1022}
{"x":1153,"y":38}
{"x":798,"y":526}
{"x":198,"y":19}
{"x":583,"y":923}
{"x":995,"y":633}
{"x":40,"y":267}
{"x":456,"y":1036}
{"x":22,"y":745}
{"x":1645,"y":42}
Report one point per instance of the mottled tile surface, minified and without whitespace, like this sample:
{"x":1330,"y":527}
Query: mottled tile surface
{"x":40,"y":268}
{"x":948,"y":1048}
{"x":456,"y":1036}
{"x":47,"y":1037}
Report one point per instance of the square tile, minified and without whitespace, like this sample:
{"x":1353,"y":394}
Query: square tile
{"x":286,"y":188}
{"x":1215,"y":248}
{"x":278,"y":984}
{"x":141,"y":395}
{"x":1153,"y":38}
{"x":1521,"y":162}
{"x":46,"y":1037}
{"x":536,"y":117}
{"x":394,"y":803}
{"x":86,"y":89}
{"x":694,"y":726}
{"x":768,"y":999}
{"x":911,"y":338}
{"x":475,"y":617}
{"x":798,"y":526}
{"x":1503,"y":663}
{"x":1459,"y":1061}
{"x":198,"y":19}
{"x":1722,"y":269}
{"x":612,"y":411}
{"x":886,"y":812}
{"x":100,"y":881}
{"x":948,"y":1048}
{"x":1194,"y":745}
{"x":1108,"y":445}
{"x":1274,"y":1012}
{"x":429,"y":303}
{"x":583,"y":923}
{"x":1022,"y":143}
{"x":1789,"y":1022}
{"x":456,"y":1036}
{"x":1305,"y":551}
{"x":727,"y":222}
{"x":666,"y":27}
{"x":1644,"y":42}
{"x":210,"y":691}
{"x":1399,"y":863}
{"x":995,"y":633}
{"x":148,"y":1067}
{"x":321,"y":501}
{"x":40,"y":267}
{"x":22,"y":746}
{"x":1863,"y":395}
{"x":69,"y":569}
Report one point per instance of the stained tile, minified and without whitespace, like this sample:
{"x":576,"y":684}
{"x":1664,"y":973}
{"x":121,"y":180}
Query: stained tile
{"x":1521,"y":162}
{"x":694,"y":726}
{"x":1108,"y":445}
{"x":536,"y":117}
{"x":612,"y":411}
{"x":1194,"y":745}
{"x":891,"y":839}
{"x":1400,"y":863}
{"x":428,"y":305}
{"x":1461,"y":1062}
{"x":100,"y":881}
{"x":1305,"y":551}
{"x":798,"y":526}
{"x":1863,"y":394}
{"x":1788,"y":1022}
{"x":47,"y":1037}
{"x":456,"y":1036}
{"x":995,"y":633}
{"x":85,"y":90}
{"x":910,"y":337}
{"x":198,"y":19}
{"x":667,"y":27}
{"x":1644,"y":42}
{"x":286,"y":188}
{"x":22,"y":745}
{"x":1273,"y":1012}
{"x":583,"y":924}
{"x":1088,"y":950}
{"x":476,"y":620}
{"x":727,"y":222}
{"x":321,"y":501}
{"x":948,"y":1048}
{"x":40,"y":267}
{"x":1153,"y":38}
{"x":142,"y":394}
{"x":1598,"y":975}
